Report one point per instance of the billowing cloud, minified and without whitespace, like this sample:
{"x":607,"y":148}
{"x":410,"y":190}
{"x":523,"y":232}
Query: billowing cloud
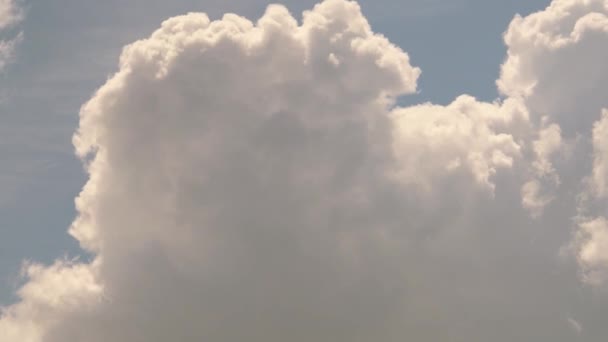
{"x":555,"y":64}
{"x":591,"y":240}
{"x":555,"y":61}
{"x":432,"y":141}
{"x":234,"y":163}
{"x":256,"y":181}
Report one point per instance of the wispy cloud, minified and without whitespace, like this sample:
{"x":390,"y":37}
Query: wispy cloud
{"x":575,"y":325}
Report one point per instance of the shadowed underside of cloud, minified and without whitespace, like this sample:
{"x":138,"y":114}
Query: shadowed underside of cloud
{"x":255,"y":181}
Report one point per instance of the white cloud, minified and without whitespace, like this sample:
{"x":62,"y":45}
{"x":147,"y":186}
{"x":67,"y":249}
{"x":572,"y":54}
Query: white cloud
{"x":600,"y":156}
{"x":555,"y":61}
{"x":593,"y":250}
{"x":10,"y":14}
{"x":591,"y":241}
{"x":49,"y":294}
{"x":234,"y":163}
{"x":432,"y":141}
{"x":548,"y":144}
{"x":254,"y":181}
{"x":534,"y":192}
{"x":533,"y":198}
{"x":556,"y":65}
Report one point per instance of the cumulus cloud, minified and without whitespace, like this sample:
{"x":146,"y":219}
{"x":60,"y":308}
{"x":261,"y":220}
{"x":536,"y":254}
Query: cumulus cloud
{"x":555,"y":64}
{"x":546,"y":66}
{"x":234,"y":163}
{"x":432,"y":141}
{"x":10,"y":14}
{"x":256,"y":181}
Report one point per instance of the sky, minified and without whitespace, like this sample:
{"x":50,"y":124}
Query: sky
{"x":317,"y":170}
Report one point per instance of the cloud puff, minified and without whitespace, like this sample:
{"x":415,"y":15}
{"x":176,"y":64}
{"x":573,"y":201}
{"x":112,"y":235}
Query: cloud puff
{"x":592,"y":255}
{"x":555,"y":62}
{"x":256,"y":181}
{"x":432,"y":141}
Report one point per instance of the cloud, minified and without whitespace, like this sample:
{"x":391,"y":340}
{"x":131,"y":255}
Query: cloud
{"x":591,"y":241}
{"x":600,"y":156}
{"x":10,"y":15}
{"x":576,"y":326}
{"x":555,"y":65}
{"x":432,"y":141}
{"x":233,"y":162}
{"x":545,"y":65}
{"x":256,"y":181}
{"x":592,"y":253}
{"x":548,"y":144}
